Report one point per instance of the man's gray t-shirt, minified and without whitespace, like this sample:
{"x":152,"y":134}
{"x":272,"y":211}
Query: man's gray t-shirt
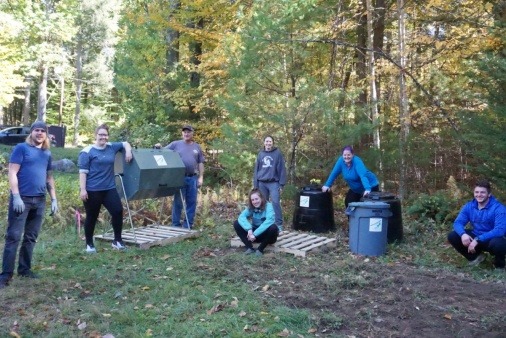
{"x":190,"y":153}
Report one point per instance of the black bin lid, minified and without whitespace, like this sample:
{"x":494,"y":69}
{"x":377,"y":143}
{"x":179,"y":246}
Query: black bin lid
{"x":379,"y":196}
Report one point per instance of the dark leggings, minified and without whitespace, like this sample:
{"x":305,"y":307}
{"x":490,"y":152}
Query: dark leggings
{"x":111,"y":201}
{"x":269,"y":236}
{"x":352,"y":196}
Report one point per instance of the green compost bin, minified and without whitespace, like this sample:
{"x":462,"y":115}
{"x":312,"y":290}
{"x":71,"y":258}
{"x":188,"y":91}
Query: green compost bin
{"x":152,"y":173}
{"x":368,"y":227}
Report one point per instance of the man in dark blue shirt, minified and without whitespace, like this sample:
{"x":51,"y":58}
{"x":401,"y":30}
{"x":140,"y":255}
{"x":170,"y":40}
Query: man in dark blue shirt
{"x":487,"y":218}
{"x":30,"y":178}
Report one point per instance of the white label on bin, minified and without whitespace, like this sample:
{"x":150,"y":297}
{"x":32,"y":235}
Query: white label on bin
{"x":375,"y":224}
{"x":304,"y":201}
{"x":160,"y":160}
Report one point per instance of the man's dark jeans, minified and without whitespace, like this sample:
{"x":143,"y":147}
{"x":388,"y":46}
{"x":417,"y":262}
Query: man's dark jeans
{"x":24,"y":225}
{"x":496,"y":246}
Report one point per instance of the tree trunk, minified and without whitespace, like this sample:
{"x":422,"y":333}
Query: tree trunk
{"x":42,"y":94}
{"x":25,"y":118}
{"x":79,"y":85}
{"x":360,"y":57}
{"x":372,"y":76}
{"x":172,"y":40}
{"x":404,"y":118}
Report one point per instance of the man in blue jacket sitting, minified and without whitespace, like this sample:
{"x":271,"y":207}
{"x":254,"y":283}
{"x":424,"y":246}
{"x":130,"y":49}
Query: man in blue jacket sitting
{"x":487,"y":218}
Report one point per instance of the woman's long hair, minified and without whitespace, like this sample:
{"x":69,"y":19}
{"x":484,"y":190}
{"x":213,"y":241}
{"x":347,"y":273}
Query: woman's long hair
{"x":264,"y":201}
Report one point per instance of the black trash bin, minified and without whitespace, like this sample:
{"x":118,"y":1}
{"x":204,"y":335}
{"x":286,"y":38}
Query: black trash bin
{"x":395,"y":230}
{"x":314,"y":210}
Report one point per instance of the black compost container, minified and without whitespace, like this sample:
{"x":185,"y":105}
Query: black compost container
{"x":395,"y":229}
{"x":314,"y":210}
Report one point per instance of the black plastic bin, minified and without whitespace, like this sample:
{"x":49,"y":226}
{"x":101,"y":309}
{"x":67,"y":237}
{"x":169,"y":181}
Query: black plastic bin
{"x":395,"y":229}
{"x":314,"y":210}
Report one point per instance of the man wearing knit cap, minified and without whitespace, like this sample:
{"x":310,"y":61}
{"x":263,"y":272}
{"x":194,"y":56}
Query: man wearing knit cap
{"x":30,"y":178}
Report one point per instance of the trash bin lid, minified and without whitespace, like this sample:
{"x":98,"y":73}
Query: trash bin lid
{"x":379,"y":195}
{"x":370,"y":205}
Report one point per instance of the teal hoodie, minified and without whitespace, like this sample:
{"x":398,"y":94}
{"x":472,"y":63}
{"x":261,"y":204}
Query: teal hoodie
{"x":257,"y":219}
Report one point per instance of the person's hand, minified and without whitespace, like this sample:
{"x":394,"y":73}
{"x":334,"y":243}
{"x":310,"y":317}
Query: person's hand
{"x":158,"y":146}
{"x":54,"y":206}
{"x":83,"y":194}
{"x":200,"y":181}
{"x":128,"y":156}
{"x":251,"y":237}
{"x":325,"y":188}
{"x":366,"y":193}
{"x":466,"y":240}
{"x":472,"y":246}
{"x":17,"y":203}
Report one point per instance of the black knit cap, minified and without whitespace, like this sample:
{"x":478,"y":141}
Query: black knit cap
{"x":38,"y":125}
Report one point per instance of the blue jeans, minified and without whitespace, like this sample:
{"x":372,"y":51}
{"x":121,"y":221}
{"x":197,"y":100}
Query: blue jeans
{"x":189,"y":192}
{"x":27,"y":225}
{"x":271,"y":190}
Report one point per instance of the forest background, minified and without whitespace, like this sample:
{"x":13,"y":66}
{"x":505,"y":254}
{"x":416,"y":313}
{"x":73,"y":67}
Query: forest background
{"x":417,"y":87}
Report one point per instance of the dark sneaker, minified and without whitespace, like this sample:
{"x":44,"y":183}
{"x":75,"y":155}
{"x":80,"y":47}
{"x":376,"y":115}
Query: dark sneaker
{"x":118,"y":245}
{"x":4,"y":281}
{"x":259,"y":253}
{"x":29,"y":274}
{"x":249,"y":251}
{"x":477,"y":260}
{"x":90,"y":249}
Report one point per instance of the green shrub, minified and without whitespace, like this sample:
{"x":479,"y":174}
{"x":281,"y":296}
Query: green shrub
{"x":438,"y":207}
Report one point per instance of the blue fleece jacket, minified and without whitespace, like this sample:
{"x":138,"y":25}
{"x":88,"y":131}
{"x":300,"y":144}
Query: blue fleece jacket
{"x":358,"y":177}
{"x":257,"y":219}
{"x":487,"y":223}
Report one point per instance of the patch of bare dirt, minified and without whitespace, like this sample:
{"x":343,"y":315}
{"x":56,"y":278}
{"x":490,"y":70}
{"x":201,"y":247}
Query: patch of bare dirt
{"x":371,"y":299}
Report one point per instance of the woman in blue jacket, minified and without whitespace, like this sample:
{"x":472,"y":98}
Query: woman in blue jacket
{"x":257,"y":224}
{"x":360,"y":179}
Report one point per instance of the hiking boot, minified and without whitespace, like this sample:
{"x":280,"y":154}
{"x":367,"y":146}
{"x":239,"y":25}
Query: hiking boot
{"x":29,"y":274}
{"x":477,"y":260}
{"x":118,"y":245}
{"x":249,"y":251}
{"x":90,"y":249}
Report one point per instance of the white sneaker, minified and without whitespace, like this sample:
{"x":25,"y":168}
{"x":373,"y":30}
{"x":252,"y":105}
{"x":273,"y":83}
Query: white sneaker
{"x":118,"y":245}
{"x":477,"y":260}
{"x":90,"y":249}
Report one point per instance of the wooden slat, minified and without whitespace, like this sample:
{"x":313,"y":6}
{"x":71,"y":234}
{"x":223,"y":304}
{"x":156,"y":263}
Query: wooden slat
{"x":298,"y":244}
{"x":151,"y":235}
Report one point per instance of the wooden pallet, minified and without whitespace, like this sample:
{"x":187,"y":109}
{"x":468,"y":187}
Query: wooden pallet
{"x":151,"y":235}
{"x":298,"y":244}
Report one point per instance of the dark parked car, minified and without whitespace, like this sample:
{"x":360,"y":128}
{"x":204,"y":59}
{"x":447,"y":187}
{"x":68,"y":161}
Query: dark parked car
{"x":15,"y":135}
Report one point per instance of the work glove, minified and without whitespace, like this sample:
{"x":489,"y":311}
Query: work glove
{"x":17,"y":203}
{"x":54,"y":206}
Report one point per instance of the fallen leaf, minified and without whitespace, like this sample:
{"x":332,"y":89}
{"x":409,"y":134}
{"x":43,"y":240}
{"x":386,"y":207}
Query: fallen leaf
{"x":216,"y":308}
{"x":284,"y":333}
{"x":235,"y":302}
{"x":169,"y":268}
{"x":149,"y":332}
{"x":312,"y":330}
{"x":266,"y":287}
{"x":107,"y":315}
{"x":145,"y":288}
{"x":447,"y":316}
{"x":14,"y":334}
{"x":242,"y":314}
{"x":81,"y":326}
{"x":149,"y":306}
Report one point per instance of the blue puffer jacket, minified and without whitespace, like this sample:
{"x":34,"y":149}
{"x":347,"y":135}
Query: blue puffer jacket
{"x":487,"y":223}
